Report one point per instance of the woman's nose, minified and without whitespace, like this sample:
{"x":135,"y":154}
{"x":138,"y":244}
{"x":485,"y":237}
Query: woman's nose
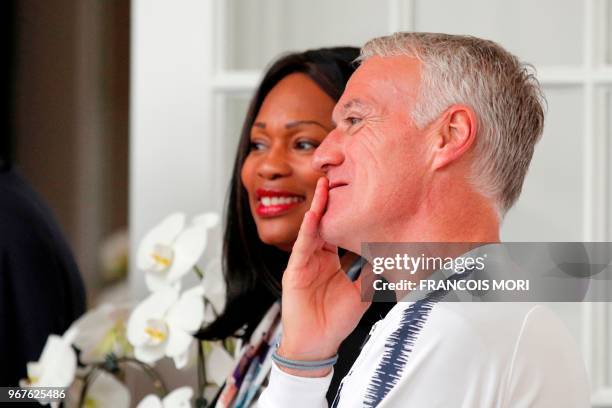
{"x":274,"y":165}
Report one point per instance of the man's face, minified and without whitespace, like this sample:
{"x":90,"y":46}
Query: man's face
{"x":376,"y":159}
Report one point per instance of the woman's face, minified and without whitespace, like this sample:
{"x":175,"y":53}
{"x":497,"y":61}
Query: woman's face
{"x":278,"y":175}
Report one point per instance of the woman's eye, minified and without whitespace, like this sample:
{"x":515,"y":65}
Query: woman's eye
{"x":257,"y":146}
{"x":306,"y":145}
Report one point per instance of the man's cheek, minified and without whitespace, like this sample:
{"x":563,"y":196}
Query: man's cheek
{"x":366,"y":149}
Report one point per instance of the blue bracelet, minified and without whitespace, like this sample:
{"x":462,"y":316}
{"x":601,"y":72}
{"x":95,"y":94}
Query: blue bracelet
{"x":303,"y":365}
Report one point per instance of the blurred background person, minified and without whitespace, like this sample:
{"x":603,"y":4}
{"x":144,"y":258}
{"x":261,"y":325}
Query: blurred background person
{"x":50,"y":200}
{"x":41,"y":291}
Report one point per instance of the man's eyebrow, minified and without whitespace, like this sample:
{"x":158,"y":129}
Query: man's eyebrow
{"x":353,"y":103}
{"x":261,"y":125}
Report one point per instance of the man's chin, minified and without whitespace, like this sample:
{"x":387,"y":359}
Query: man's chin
{"x":326,"y":228}
{"x":333,"y":231}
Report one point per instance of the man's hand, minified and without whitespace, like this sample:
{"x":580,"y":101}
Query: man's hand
{"x":320,"y":305}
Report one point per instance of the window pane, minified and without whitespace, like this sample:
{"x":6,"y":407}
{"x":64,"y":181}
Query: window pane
{"x":550,"y":207}
{"x":540,"y":32}
{"x":235,"y":108}
{"x":258,"y":31}
{"x":608,"y":33}
{"x":608,"y":163}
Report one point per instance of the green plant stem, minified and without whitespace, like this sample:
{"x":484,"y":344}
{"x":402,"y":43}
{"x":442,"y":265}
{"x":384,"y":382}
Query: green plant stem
{"x":198,"y":272}
{"x":201,"y":370}
{"x":208,"y":302}
{"x":89,"y":378}
{"x":155,"y":378}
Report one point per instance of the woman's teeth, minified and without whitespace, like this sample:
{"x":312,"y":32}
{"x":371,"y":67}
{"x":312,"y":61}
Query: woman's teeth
{"x":267,"y":201}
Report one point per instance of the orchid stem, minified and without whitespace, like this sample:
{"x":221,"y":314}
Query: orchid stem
{"x":89,"y":378}
{"x":157,"y":381}
{"x":201,"y":371}
{"x":155,"y":378}
{"x":214,"y":309}
{"x":198,"y":271}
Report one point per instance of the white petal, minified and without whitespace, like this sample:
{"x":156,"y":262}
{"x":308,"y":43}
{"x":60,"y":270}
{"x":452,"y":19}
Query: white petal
{"x":210,"y":314}
{"x":34,"y":369}
{"x":153,"y":307}
{"x":187,"y":313}
{"x":92,"y":326}
{"x":149,"y":354}
{"x":218,"y":364}
{"x":57,"y":363}
{"x":70,"y":334}
{"x":187,"y":359}
{"x":214,"y":285}
{"x":179,"y":398}
{"x":107,"y":392}
{"x":180,"y":361}
{"x":208,"y":220}
{"x":156,"y":282}
{"x":197,"y":291}
{"x":150,"y":401}
{"x":188,"y":248}
{"x":164,"y":233}
{"x":111,"y":336}
{"x":178,"y":342}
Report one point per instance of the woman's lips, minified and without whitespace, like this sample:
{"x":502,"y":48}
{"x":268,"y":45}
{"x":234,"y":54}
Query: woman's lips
{"x":272,"y":203}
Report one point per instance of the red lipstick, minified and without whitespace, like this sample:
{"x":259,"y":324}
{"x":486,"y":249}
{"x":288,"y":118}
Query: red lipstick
{"x":273,"y":203}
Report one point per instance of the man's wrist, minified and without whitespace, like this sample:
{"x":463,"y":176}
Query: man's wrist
{"x":292,"y":354}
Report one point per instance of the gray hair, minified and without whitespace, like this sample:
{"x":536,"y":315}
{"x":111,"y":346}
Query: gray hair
{"x":503,"y":93}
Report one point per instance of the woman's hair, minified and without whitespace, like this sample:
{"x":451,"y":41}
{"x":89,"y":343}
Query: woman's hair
{"x":253,"y":269}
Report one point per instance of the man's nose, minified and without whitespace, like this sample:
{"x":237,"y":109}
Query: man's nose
{"x":329,"y":153}
{"x":274,"y":165}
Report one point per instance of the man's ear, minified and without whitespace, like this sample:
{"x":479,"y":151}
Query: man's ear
{"x":456,"y":134}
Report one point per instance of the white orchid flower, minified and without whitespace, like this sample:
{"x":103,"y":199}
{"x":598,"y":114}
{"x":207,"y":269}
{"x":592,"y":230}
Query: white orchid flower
{"x":213,"y":289}
{"x":179,"y":398}
{"x":57,"y":364}
{"x":170,"y":250}
{"x":102,"y":331}
{"x":107,"y":392}
{"x":208,"y":220}
{"x":218,"y":363}
{"x":163,"y":324}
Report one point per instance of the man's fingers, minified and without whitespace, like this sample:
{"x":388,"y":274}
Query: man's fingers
{"x":319,"y":201}
{"x":330,"y":248}
{"x":308,"y":239}
{"x":364,"y":304}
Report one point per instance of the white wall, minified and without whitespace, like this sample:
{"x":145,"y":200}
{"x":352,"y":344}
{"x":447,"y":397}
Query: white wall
{"x":170,"y":147}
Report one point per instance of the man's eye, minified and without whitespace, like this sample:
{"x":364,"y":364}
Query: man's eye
{"x":351,"y":120}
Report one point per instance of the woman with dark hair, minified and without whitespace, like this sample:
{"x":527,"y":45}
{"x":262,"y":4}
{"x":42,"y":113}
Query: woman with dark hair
{"x":271,"y":189}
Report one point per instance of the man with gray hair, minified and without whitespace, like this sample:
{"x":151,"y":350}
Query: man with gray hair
{"x":434,"y":137}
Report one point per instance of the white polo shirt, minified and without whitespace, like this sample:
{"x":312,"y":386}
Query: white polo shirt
{"x":452,"y":354}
